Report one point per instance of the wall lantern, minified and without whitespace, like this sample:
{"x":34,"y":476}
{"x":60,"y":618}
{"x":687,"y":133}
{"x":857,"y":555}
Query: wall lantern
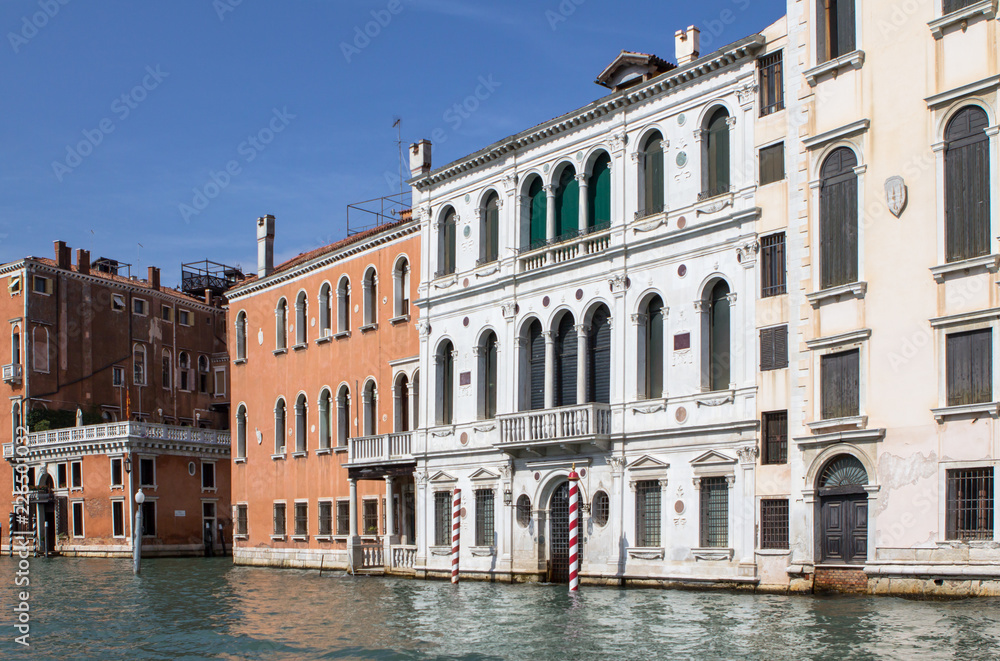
{"x":508,"y":497}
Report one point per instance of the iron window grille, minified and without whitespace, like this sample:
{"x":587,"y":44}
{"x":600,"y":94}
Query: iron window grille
{"x":775,"y":427}
{"x":442,"y":518}
{"x":647,"y":513}
{"x":601,"y":508}
{"x":369,"y":517}
{"x":279,"y":519}
{"x":970,"y":504}
{"x":301,"y":518}
{"x":325,"y":518}
{"x":241,"y":519}
{"x":484,"y":517}
{"x":523,"y":510}
{"x":714,"y":512}
{"x":343,"y":518}
{"x":772,"y":281}
{"x":770,"y":72}
{"x":969,"y":358}
{"x":774,"y":523}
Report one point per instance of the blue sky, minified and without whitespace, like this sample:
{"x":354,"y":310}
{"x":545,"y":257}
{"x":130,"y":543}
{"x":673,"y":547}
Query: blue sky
{"x":117,"y":114}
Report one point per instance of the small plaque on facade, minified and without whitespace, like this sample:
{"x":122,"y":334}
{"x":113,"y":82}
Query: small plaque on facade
{"x":682,"y":341}
{"x":465,"y":378}
{"x":180,"y":513}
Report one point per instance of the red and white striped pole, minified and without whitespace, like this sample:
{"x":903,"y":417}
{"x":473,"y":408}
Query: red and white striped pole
{"x":456,"y":523}
{"x":574,"y":531}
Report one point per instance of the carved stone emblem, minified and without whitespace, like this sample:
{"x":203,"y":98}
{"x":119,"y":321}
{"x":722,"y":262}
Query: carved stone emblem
{"x":895,"y":195}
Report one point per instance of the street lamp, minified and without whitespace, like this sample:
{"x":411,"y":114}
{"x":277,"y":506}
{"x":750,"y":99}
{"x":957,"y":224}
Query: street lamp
{"x":140,"y":498}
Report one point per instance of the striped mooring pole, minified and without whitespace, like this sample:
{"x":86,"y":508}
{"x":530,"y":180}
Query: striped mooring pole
{"x":456,"y":522}
{"x":574,"y":531}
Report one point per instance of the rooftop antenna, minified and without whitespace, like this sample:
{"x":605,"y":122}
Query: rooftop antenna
{"x":398,"y":125}
{"x":138,"y":259}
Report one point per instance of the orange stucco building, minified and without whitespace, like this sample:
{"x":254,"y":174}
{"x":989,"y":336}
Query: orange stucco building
{"x":324,"y":389}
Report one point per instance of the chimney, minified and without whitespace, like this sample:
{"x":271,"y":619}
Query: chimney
{"x":63,"y":255}
{"x":686,"y":45}
{"x":420,"y":158}
{"x":154,"y":278}
{"x":83,"y":261}
{"x":265,"y":246}
{"x":208,"y":297}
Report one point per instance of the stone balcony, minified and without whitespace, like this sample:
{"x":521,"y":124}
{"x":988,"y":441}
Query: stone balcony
{"x":380,"y":450}
{"x":557,"y":431}
{"x":121,"y":436}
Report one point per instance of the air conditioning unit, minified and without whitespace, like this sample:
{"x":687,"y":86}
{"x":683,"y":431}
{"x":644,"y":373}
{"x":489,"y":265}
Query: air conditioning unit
{"x":12,"y":373}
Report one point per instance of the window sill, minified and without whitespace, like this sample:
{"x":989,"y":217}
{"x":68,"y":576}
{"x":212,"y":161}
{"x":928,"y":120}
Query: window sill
{"x":854,"y":289}
{"x":833,"y":67}
{"x":342,"y":334}
{"x":209,"y":490}
{"x":300,"y":538}
{"x":987,"y":8}
{"x":324,"y":339}
{"x":440,"y":550}
{"x":280,"y":456}
{"x":401,"y":319}
{"x":990,"y":263}
{"x":482,"y":551}
{"x":774,"y":552}
{"x":323,"y":538}
{"x":278,"y":352}
{"x":713,"y":554}
{"x":240,"y":460}
{"x":368,"y":327}
{"x":991,"y":409}
{"x":114,"y":487}
{"x":858,"y":421}
{"x":340,"y":449}
{"x":646,"y":553}
{"x":241,"y":537}
{"x":320,"y":451}
{"x":300,"y":346}
{"x":240,"y":361}
{"x":300,"y":454}
{"x":278,"y":538}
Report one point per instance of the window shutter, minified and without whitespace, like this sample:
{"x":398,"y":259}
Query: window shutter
{"x":599,"y":373}
{"x":565,"y":372}
{"x":838,"y":223}
{"x":536,"y":220}
{"x":845,"y":26}
{"x":822,"y":27}
{"x":599,"y":192}
{"x":967,"y":188}
{"x":766,"y":349}
{"x":780,"y":347}
{"x":536,"y":358}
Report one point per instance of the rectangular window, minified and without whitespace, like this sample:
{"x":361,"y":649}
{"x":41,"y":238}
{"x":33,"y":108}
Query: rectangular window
{"x":774,"y":523}
{"x":343,"y":517}
{"x":184,"y":317}
{"x":772,"y":280}
{"x":78,"y":518}
{"x":839,"y":375}
{"x":207,"y":475}
{"x":42,"y":285}
{"x":773,"y":348}
{"x":647,"y":513}
{"x":167,"y":313}
{"x":76,"y":475}
{"x":117,"y":376}
{"x":116,"y":472}
{"x":771,"y":161}
{"x":61,"y":478}
{"x":835,"y":24}
{"x":139,"y":306}
{"x":770,"y":75}
{"x":969,"y":358}
{"x":14,"y":285}
{"x":714,"y":512}
{"x":775,"y":431}
{"x":118,"y":518}
{"x":241,"y":519}
{"x":117,"y":302}
{"x":147,"y":472}
{"x":442,"y":518}
{"x":279,"y":519}
{"x":369,"y":516}
{"x":484,"y":517}
{"x":970,"y":504}
{"x":165,"y":371}
{"x":220,"y":383}
{"x":149,"y":518}
{"x":301,"y":518}
{"x":325,"y":518}
{"x":951,"y":6}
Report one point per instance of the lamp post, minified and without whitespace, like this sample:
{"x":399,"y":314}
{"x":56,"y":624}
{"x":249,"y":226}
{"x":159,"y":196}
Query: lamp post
{"x":140,"y":498}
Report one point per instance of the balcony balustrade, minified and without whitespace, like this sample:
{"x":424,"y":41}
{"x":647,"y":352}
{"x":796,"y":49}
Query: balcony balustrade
{"x":380,"y":449}
{"x":549,"y":431}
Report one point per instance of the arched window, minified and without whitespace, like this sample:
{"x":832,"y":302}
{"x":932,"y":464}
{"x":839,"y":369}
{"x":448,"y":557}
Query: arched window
{"x":489,"y":233}
{"x":369,"y":285}
{"x":534,"y":373}
{"x":343,"y":415}
{"x":15,"y":345}
{"x":300,"y":423}
{"x":838,"y":219}
{"x":447,"y":244}
{"x":344,"y":305}
{"x":279,"y":427}
{"x":567,"y":204}
{"x":652,"y":175}
{"x":301,"y":318}
{"x":651,"y":342}
{"x":139,"y":365}
{"x":445,"y":383}
{"x":241,"y":432}
{"x":537,"y":210}
{"x":401,"y":287}
{"x":166,"y":370}
{"x":369,"y":400}
{"x":715,"y":154}
{"x":241,"y":335}
{"x":488,"y":376}
{"x":40,"y":346}
{"x":203,"y":374}
{"x":325,"y":419}
{"x":325,"y":308}
{"x":967,"y":185}
{"x":401,"y":403}
{"x":281,"y":325}
{"x":565,"y":364}
{"x":599,"y":357}
{"x":716,"y":339}
{"x":599,"y":194}
{"x":184,"y":360}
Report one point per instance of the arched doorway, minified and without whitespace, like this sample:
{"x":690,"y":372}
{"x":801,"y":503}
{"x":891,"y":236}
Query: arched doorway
{"x":559,"y":534}
{"x":843,"y":505}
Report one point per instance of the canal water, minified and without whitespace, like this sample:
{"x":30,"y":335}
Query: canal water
{"x":207,"y":608}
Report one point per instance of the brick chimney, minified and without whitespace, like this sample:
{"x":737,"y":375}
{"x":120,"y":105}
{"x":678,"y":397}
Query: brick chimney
{"x":208,"y":297}
{"x":83,"y":261}
{"x":420,"y":158}
{"x":687,"y":44}
{"x":265,"y":246}
{"x":63,"y":255}
{"x":154,"y":278}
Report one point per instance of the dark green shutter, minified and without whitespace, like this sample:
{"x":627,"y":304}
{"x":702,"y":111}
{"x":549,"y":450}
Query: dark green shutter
{"x":565,"y":367}
{"x":491,"y":376}
{"x":536,"y":221}
{"x":567,"y":204}
{"x":491,"y":230}
{"x":718,"y":153}
{"x":654,"y":348}
{"x":536,"y":367}
{"x":719,"y":338}
{"x":599,"y":367}
{"x":653,"y":175}
{"x":599,"y":193}
{"x":447,"y":384}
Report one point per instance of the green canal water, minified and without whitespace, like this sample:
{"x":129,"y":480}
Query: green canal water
{"x":207,"y":608}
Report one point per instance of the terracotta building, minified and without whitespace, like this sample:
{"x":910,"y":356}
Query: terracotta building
{"x":91,"y":347}
{"x":324,"y":391}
